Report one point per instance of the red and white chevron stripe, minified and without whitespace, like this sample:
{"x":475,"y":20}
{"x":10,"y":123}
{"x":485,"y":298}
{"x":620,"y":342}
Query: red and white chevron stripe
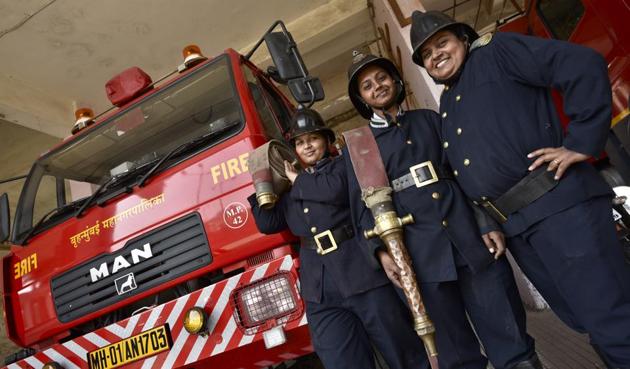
{"x":223,"y":336}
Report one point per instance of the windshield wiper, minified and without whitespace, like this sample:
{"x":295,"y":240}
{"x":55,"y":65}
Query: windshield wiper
{"x":180,"y":148}
{"x":90,"y":199}
{"x":106,"y":185}
{"x":48,"y":216}
{"x":153,"y":167}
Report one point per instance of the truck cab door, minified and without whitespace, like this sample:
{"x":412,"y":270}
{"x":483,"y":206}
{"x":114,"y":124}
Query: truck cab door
{"x":273,"y":110}
{"x":597,"y":25}
{"x":576,"y":21}
{"x":555,"y":19}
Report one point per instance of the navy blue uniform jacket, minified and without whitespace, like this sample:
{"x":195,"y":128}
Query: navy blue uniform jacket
{"x":319,"y":201}
{"x":442,"y":215}
{"x":500,"y":109}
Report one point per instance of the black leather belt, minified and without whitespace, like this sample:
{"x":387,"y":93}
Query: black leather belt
{"x":328,"y":240}
{"x":421,"y":175}
{"x":526,"y":191}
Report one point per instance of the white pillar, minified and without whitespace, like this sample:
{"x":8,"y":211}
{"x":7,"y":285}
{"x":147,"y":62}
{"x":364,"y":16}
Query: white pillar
{"x":393,"y":21}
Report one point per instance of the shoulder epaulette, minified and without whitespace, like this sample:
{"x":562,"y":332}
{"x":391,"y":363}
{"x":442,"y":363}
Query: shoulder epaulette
{"x":481,"y":41}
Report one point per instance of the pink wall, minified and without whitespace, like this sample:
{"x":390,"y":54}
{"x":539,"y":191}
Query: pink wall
{"x":395,"y":16}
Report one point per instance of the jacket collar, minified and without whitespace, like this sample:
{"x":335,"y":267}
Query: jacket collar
{"x":377,"y":122}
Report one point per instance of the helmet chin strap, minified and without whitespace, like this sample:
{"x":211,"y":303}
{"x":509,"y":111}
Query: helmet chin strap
{"x":384,"y":109}
{"x":388,"y":117}
{"x":448,"y":81}
{"x":455,"y":76}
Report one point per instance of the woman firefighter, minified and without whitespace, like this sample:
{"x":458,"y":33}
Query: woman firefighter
{"x":505,"y":138}
{"x":453,"y":263}
{"x":349,"y":306}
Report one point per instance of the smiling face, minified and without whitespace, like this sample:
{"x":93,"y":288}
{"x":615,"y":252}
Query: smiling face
{"x":443,"y":54}
{"x":376,"y":87}
{"x":311,"y":147}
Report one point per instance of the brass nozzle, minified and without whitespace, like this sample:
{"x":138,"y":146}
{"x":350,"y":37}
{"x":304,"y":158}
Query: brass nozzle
{"x":426,"y":330}
{"x":429,"y":344}
{"x":266,"y":200}
{"x":407,"y":219}
{"x":386,"y":223}
{"x":369,"y":233}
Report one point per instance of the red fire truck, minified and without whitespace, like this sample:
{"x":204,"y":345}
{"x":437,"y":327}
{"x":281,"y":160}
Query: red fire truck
{"x":133,"y":243}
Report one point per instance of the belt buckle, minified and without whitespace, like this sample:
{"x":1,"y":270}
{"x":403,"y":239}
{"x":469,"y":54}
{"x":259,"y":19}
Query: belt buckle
{"x":414,"y":175}
{"x":320,"y":249}
{"x":489,"y":206}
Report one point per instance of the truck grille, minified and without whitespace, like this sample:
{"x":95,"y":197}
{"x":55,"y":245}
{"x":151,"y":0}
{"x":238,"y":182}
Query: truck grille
{"x":176,"y":249}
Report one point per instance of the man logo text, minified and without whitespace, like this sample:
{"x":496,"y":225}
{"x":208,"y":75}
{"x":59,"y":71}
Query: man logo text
{"x":120,"y":263}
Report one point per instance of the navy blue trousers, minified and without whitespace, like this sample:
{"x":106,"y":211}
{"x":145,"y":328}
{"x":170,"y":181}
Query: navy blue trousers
{"x":576,"y":262}
{"x":343,"y":329}
{"x":491,"y":299}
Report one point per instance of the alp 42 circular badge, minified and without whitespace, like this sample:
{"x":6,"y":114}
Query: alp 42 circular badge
{"x":235,"y":215}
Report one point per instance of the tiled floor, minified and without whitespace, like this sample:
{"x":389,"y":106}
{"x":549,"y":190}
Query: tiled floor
{"x":558,"y":346}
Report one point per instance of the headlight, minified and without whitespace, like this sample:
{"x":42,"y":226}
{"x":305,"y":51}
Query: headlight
{"x":271,"y":299}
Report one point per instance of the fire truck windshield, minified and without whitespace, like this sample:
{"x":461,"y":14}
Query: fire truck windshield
{"x":202,"y":104}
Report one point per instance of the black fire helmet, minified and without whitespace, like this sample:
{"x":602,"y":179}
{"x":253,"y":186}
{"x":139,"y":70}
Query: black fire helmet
{"x":307,"y":120}
{"x":361,"y":61}
{"x":425,"y":25}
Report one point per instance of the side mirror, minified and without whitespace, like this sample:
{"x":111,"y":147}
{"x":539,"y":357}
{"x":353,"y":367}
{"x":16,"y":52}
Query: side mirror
{"x":285,"y":55}
{"x":289,"y":67}
{"x":306,"y":90}
{"x":4,"y":217}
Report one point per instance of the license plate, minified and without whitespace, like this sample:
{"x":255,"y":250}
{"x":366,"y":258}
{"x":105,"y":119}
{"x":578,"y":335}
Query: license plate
{"x":131,"y":349}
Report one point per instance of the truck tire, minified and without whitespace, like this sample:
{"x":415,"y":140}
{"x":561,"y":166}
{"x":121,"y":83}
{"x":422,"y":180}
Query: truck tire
{"x":612,"y":176}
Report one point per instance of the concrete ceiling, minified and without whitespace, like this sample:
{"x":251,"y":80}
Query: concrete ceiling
{"x":58,"y":54}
